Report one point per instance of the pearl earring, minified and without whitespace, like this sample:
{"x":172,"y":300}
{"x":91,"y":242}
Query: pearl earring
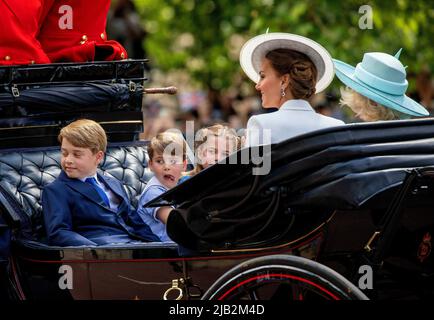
{"x":282,"y":92}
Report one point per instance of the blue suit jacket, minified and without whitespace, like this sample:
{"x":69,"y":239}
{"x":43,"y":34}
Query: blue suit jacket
{"x":75,"y":215}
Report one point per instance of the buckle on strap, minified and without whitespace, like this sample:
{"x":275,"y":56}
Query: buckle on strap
{"x":15,"y":91}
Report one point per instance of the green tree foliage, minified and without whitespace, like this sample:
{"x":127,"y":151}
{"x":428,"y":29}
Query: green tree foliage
{"x":203,"y":37}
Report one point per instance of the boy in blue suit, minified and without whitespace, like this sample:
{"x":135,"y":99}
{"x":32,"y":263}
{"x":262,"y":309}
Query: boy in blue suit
{"x":82,"y":207}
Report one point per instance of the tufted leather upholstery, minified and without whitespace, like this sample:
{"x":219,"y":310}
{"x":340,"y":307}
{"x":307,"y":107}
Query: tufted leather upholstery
{"x":24,"y":173}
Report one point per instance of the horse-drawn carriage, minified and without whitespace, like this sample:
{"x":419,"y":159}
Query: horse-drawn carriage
{"x":343,"y":213}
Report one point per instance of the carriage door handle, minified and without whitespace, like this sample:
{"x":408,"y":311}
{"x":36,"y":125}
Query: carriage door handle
{"x":368,"y":246}
{"x":174,"y":287}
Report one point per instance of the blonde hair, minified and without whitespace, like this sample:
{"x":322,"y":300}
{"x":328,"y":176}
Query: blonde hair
{"x":217,"y":130}
{"x":85,"y":133}
{"x":366,"y":109}
{"x":163,"y":140}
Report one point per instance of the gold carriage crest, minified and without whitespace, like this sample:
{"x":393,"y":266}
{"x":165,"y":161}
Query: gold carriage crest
{"x":424,"y":248}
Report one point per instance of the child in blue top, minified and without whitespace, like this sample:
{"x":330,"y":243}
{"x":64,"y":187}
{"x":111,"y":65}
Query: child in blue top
{"x":167,"y":160}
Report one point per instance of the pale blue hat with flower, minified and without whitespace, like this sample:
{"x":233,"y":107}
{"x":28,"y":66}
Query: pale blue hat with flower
{"x":380,"y":77}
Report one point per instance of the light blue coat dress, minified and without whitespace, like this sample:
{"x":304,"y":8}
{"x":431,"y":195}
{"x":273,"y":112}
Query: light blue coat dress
{"x":294,"y":117}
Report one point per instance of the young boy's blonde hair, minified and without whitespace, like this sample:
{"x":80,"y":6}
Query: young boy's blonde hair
{"x":85,"y":133}
{"x":366,"y":109}
{"x":165,"y":142}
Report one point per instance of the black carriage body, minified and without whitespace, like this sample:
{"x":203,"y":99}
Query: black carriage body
{"x":325,"y":195}
{"x":357,"y":171}
{"x":329,"y":227}
{"x":122,"y":273}
{"x":37,"y":271}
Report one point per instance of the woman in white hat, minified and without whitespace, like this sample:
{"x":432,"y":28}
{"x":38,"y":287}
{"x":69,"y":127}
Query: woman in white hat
{"x":376,"y":88}
{"x":288,"y":69}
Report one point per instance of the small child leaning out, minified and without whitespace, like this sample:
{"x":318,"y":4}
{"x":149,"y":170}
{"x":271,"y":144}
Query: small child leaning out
{"x":167,"y":160}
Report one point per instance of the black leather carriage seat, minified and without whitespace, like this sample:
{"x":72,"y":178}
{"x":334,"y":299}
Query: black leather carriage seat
{"x":25,"y":172}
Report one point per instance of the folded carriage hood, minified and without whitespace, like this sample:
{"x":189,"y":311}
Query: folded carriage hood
{"x":37,"y":100}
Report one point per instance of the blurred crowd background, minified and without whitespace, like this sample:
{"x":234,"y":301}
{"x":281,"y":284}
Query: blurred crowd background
{"x":194,"y":45}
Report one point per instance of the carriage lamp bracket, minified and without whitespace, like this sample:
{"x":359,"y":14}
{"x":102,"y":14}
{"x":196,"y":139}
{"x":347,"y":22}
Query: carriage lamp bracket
{"x":176,"y":288}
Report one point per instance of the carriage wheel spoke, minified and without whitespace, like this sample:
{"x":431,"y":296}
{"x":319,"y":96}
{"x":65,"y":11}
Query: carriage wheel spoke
{"x":253,"y":295}
{"x":297,"y":292}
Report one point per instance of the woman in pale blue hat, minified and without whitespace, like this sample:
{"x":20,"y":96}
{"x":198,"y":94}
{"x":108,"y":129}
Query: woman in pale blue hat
{"x":288,"y":70}
{"x":376,"y":88}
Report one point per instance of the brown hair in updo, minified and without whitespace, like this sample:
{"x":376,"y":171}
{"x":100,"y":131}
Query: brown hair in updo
{"x":300,"y":68}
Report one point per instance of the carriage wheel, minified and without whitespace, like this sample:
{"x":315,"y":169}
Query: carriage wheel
{"x":282,"y":277}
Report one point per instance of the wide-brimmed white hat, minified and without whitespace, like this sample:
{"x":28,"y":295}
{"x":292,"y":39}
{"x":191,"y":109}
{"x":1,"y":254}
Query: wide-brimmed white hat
{"x":256,"y":48}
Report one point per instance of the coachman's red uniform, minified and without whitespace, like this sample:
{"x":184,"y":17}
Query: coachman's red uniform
{"x":19,"y":26}
{"x":74,"y":30}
